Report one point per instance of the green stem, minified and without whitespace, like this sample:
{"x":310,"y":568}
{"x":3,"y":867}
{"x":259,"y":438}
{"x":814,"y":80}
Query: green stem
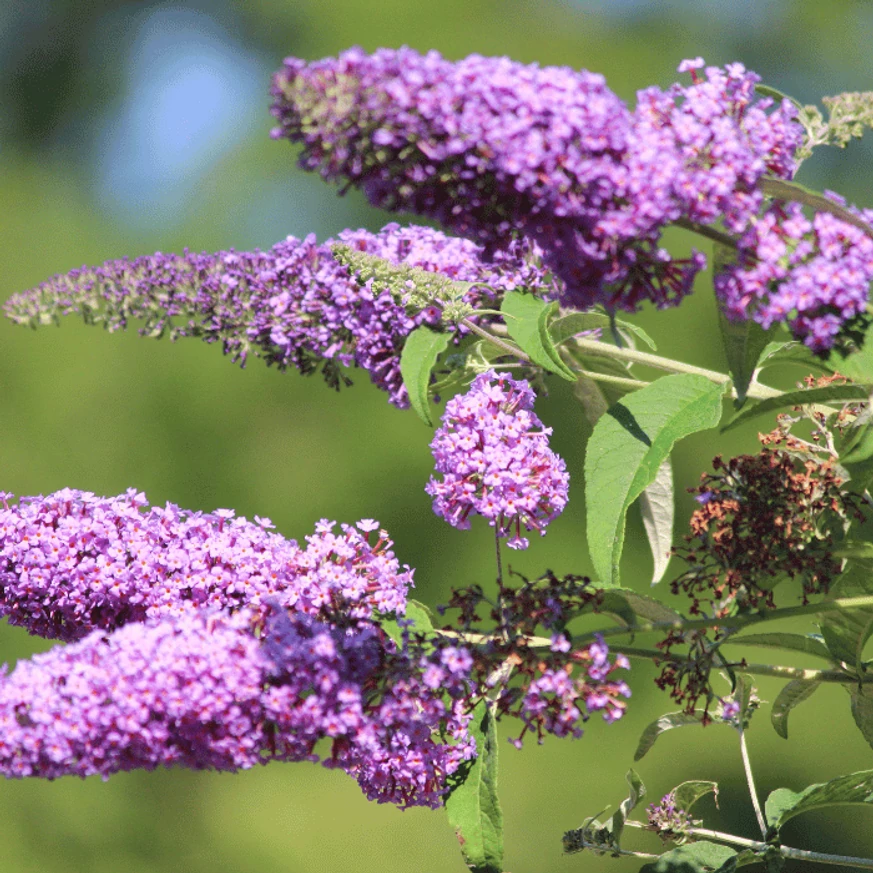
{"x":731,"y":622}
{"x":756,"y":846}
{"x":776,"y":670}
{"x":613,"y":380}
{"x":717,"y":236}
{"x":750,"y":779}
{"x":595,"y":347}
{"x":507,"y":347}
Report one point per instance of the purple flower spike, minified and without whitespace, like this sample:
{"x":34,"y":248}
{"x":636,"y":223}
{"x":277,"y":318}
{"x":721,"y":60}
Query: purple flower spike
{"x":495,"y":459}
{"x":182,"y":693}
{"x":293,"y":306}
{"x":813,"y":274}
{"x":204,"y":692}
{"x":72,"y":562}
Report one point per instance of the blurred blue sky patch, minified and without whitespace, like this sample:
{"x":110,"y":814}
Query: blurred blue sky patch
{"x":191,"y":94}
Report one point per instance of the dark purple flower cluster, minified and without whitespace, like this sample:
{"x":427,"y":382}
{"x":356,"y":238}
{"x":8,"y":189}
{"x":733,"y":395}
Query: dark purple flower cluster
{"x":71,"y":563}
{"x":490,"y":147}
{"x":495,"y":459}
{"x":294,"y":306}
{"x":552,"y":690}
{"x":203,"y":691}
{"x":814,"y":273}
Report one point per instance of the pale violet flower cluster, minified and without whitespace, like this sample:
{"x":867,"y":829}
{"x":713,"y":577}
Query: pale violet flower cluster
{"x":204,"y":692}
{"x":494,"y":457}
{"x":814,"y":274}
{"x":207,"y":641}
{"x":73,"y":562}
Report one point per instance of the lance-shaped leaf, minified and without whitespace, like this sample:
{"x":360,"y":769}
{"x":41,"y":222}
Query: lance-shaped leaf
{"x":472,"y":806}
{"x":628,"y":606}
{"x":688,"y":793}
{"x":698,"y":857}
{"x":665,"y":723}
{"x":527,"y":320}
{"x":800,"y":398}
{"x":418,"y":618}
{"x":420,"y":352}
{"x":809,"y":644}
{"x":783,"y":804}
{"x":636,"y":792}
{"x":793,"y":693}
{"x":791,"y":352}
{"x":657,"y":509}
{"x":745,"y":340}
{"x":561,"y":329}
{"x":626,"y":449}
{"x":862,"y":708}
{"x":846,"y":631}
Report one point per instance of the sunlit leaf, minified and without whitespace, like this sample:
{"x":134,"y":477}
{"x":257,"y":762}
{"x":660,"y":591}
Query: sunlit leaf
{"x":688,"y":793}
{"x":698,"y":857}
{"x":627,"y":448}
{"x":846,"y":631}
{"x":527,"y":319}
{"x":420,"y":352}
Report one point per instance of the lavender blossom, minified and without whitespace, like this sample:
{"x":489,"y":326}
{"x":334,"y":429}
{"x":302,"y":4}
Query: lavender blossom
{"x":489,"y":148}
{"x":814,"y":274}
{"x":71,"y":563}
{"x":293,"y":306}
{"x":557,"y":702}
{"x":494,"y":456}
{"x":203,"y":691}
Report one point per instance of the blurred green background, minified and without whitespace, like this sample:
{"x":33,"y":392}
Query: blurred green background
{"x":127,"y":128}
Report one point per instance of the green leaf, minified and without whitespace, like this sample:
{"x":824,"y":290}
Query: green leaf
{"x":858,"y":364}
{"x":627,"y":606}
{"x":591,"y":398}
{"x":862,"y":708}
{"x":799,"y":398}
{"x":626,"y":449}
{"x":859,"y":446}
{"x":657,"y":509}
{"x":698,"y":857}
{"x":791,"y":352}
{"x":561,"y":329}
{"x":846,"y":631}
{"x":472,"y":805}
{"x":688,"y":793}
{"x":857,"y":550}
{"x":793,"y":693}
{"x":636,"y":792}
{"x":783,"y":804}
{"x":420,"y":352}
{"x":420,"y":616}
{"x":810,"y":644}
{"x":527,"y":319}
{"x":662,"y":725}
{"x":744,"y":341}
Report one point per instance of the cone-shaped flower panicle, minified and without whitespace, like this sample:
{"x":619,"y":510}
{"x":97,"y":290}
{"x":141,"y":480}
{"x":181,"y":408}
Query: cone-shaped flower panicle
{"x":203,"y":691}
{"x":293,"y":306}
{"x":814,"y":274}
{"x":490,"y":147}
{"x":493,"y":453}
{"x":72,"y":562}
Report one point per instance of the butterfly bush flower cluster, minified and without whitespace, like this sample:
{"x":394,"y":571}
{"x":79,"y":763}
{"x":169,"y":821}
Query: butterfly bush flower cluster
{"x":554,"y":689}
{"x":669,"y":822}
{"x":814,"y":273}
{"x":203,"y":691}
{"x":489,"y":147}
{"x":495,"y":460}
{"x":73,"y":562}
{"x":204,"y":640}
{"x":294,"y":305}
